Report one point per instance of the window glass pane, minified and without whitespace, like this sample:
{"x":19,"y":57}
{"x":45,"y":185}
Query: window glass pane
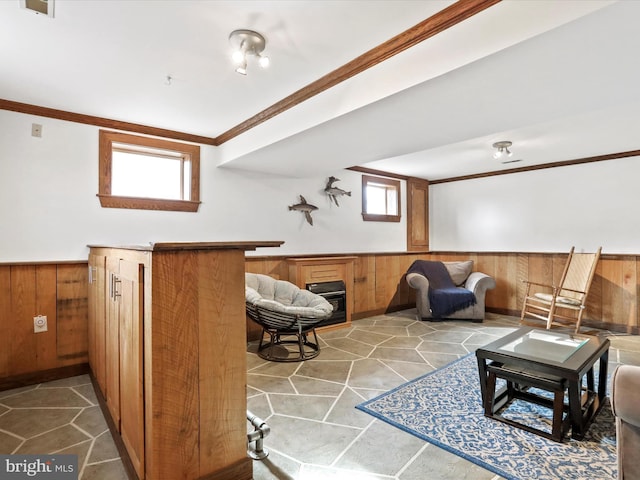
{"x":380,"y":199}
{"x":150,"y":176}
{"x":376,"y":200}
{"x":392,"y":202}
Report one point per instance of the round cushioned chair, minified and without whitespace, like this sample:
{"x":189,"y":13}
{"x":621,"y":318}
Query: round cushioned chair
{"x":287,"y":314}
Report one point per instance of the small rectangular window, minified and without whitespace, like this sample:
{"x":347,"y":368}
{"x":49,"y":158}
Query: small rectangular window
{"x":148,"y":173}
{"x":380,"y":199}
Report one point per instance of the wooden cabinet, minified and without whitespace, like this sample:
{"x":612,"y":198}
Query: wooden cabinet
{"x":174,"y":339}
{"x":116,"y":287}
{"x":417,"y":215}
{"x":128,"y":293}
{"x":325,"y":269}
{"x":97,"y":319}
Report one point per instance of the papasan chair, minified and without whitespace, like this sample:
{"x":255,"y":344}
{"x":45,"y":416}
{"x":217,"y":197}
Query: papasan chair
{"x":287,"y":314}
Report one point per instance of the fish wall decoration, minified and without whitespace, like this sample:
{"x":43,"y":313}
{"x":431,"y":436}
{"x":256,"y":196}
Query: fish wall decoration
{"x":335,"y":192}
{"x":305,"y":208}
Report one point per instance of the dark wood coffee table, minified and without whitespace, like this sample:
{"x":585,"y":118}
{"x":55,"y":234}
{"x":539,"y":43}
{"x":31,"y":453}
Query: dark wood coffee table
{"x":556,"y":362}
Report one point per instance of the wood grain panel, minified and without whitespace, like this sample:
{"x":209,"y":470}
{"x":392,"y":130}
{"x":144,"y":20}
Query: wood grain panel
{"x":112,"y":343}
{"x":364,"y":297}
{"x":629,"y":282}
{"x":131,"y":291}
{"x":5,"y":320}
{"x":72,"y":313}
{"x":96,"y":328}
{"x":417,"y":215}
{"x":522,"y":274}
{"x":221,"y":313}
{"x":506,"y":294}
{"x":46,"y":342}
{"x":172,"y":353}
{"x":612,"y":301}
{"x":22,"y":345}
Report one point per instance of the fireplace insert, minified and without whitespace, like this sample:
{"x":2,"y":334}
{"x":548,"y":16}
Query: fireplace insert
{"x":336,"y":294}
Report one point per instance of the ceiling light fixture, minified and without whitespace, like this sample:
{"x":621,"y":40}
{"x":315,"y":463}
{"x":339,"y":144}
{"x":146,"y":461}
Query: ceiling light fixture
{"x":503,"y":149}
{"x":244,"y":43}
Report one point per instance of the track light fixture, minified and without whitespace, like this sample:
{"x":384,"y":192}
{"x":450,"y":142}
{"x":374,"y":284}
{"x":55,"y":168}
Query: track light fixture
{"x":245,"y":43}
{"x":502,"y":149}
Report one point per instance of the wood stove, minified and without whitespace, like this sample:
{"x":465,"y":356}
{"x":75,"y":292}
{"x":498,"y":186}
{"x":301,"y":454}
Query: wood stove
{"x":335,"y":293}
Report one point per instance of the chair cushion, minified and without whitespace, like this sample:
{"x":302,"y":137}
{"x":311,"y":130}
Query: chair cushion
{"x":284,"y":297}
{"x":459,"y":271}
{"x":547,"y":297}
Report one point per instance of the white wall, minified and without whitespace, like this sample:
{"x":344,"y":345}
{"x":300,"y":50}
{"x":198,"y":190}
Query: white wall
{"x":585,"y":206}
{"x":49,"y":210}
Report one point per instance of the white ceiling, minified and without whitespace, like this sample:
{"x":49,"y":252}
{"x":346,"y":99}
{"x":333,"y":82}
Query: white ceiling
{"x":559,"y":78}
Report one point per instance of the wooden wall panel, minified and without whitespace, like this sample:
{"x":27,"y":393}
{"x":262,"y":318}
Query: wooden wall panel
{"x":380,"y":286}
{"x":28,"y":290}
{"x":5,"y":321}
{"x":619,"y":288}
{"x":364,"y":295}
{"x":46,"y":353}
{"x":22,"y":340}
{"x":72,"y":307}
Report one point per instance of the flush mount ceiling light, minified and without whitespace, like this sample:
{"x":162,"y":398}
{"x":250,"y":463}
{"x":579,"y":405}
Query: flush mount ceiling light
{"x":246,"y":43}
{"x":502,"y":149}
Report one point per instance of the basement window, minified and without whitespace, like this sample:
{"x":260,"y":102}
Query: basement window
{"x":380,"y":199}
{"x":148,"y":173}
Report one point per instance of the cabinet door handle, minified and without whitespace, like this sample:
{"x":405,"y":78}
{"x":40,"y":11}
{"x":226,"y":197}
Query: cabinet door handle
{"x":91,"y":273}
{"x":116,"y":281}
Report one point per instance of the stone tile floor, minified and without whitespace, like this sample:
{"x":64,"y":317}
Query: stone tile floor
{"x":316,"y":433}
{"x":60,"y":417}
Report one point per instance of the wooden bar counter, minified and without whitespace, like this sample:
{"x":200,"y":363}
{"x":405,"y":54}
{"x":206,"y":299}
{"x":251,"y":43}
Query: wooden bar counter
{"x":167,"y":346}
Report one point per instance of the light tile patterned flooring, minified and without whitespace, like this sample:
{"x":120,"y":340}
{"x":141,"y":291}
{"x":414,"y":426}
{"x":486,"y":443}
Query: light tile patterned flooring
{"x":316,"y":433}
{"x":60,"y":417}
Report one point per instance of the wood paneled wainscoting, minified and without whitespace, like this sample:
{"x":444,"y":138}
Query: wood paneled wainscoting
{"x":58,"y":291}
{"x":379,"y":284}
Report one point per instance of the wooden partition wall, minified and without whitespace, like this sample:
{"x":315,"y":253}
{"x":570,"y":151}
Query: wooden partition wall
{"x":58,"y":291}
{"x":379,"y":284}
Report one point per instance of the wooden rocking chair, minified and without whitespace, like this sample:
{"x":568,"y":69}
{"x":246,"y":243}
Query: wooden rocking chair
{"x":565,"y":303}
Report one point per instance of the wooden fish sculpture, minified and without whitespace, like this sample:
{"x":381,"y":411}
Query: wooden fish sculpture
{"x":335,"y":192}
{"x":305,"y":208}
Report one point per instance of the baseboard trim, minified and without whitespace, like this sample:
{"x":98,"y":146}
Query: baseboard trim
{"x":381,"y":311}
{"x":34,"y":378}
{"x":240,"y":470}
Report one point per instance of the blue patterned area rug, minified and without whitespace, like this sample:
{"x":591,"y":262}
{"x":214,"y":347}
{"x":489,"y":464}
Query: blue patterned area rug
{"x":444,"y":408}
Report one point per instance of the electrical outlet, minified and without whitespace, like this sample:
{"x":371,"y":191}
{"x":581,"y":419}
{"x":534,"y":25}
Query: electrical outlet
{"x":36,"y":130}
{"x":40,"y":324}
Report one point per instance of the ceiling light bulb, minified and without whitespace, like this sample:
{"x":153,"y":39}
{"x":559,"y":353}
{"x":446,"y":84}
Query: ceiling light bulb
{"x":264,"y":61}
{"x":238,"y":56}
{"x":242,"y":68}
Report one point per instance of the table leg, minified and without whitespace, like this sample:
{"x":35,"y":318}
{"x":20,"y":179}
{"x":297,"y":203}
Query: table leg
{"x":575,"y":409}
{"x":482,"y":371}
{"x":602,"y":376}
